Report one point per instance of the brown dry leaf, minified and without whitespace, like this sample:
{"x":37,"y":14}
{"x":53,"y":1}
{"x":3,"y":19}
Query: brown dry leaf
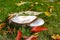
{"x":10,"y":30}
{"x":10,"y":16}
{"x":35,"y":34}
{"x":2,"y":25}
{"x":33,"y":37}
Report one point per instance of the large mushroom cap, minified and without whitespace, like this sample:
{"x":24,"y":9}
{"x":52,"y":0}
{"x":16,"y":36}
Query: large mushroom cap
{"x":23,"y":19}
{"x":38,"y":22}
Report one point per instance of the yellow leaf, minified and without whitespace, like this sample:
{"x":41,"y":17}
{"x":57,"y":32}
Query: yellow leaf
{"x":47,"y":13}
{"x":55,"y":36}
{"x":51,"y":10}
{"x":21,"y":3}
{"x":36,"y":3}
{"x":18,"y":4}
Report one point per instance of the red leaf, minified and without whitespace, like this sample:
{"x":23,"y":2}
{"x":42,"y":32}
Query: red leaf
{"x":34,"y":38}
{"x":38,"y":29}
{"x":19,"y":35}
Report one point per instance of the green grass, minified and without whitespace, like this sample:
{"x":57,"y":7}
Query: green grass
{"x":53,"y":21}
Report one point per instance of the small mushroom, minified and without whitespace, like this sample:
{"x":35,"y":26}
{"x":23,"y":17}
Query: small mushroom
{"x":38,"y":22}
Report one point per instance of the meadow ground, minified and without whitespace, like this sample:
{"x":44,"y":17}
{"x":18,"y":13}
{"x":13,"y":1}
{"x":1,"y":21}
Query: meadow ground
{"x":51,"y":22}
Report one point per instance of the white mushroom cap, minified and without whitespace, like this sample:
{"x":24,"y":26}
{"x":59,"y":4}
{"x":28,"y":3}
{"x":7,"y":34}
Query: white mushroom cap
{"x":38,"y":22}
{"x":23,"y":19}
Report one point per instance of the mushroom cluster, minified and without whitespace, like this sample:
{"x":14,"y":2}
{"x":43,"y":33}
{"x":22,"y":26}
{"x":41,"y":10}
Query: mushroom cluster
{"x":33,"y":21}
{"x":30,"y":20}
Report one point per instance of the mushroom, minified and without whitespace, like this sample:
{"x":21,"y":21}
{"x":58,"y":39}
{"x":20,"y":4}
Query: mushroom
{"x":38,"y":22}
{"x":23,"y":19}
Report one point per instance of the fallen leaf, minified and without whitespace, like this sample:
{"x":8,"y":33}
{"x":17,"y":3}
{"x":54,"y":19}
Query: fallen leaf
{"x":21,"y":3}
{"x":36,"y":3}
{"x":11,"y":16}
{"x":47,"y":13}
{"x":25,"y":37}
{"x":55,"y":36}
{"x":2,"y":25}
{"x":10,"y":30}
{"x":33,"y":37}
{"x":38,"y":29}
{"x":19,"y":35}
